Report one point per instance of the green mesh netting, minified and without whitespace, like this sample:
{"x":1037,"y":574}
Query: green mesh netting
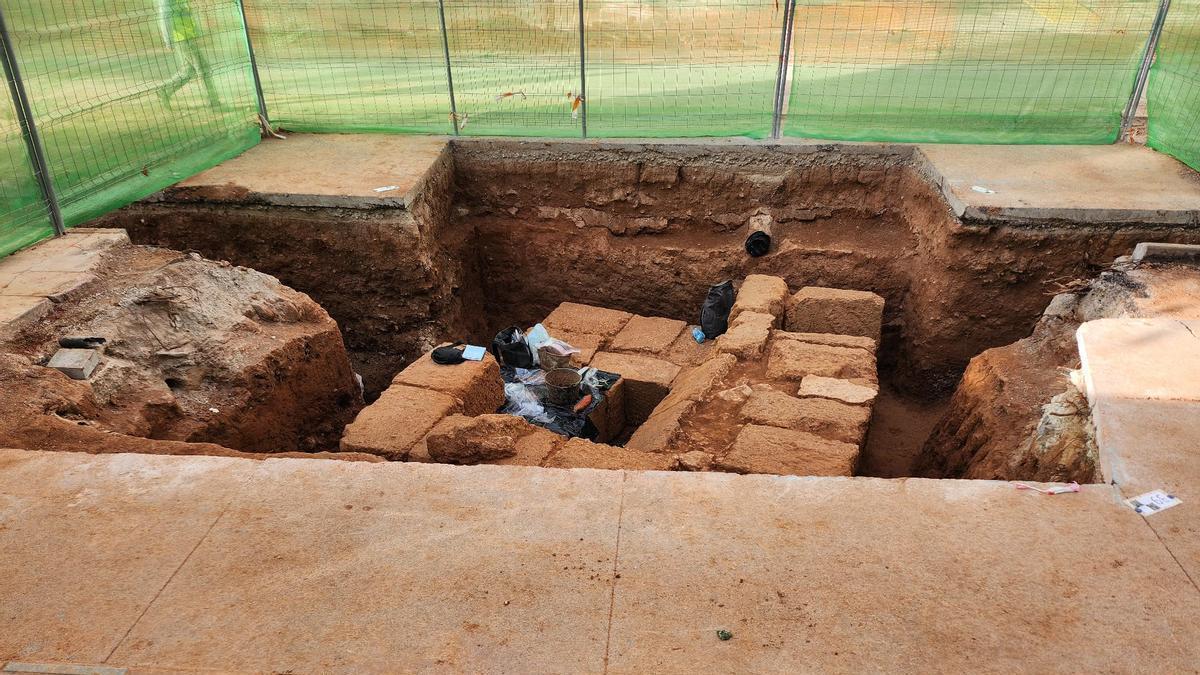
{"x":351,"y":65}
{"x":23,"y":216}
{"x":682,"y":67}
{"x":130,"y":96}
{"x":978,"y":71}
{"x":1173,"y":93}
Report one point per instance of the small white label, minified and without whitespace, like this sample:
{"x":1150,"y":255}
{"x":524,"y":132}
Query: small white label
{"x":1152,"y":502}
{"x":387,"y":188}
{"x":982,"y":190}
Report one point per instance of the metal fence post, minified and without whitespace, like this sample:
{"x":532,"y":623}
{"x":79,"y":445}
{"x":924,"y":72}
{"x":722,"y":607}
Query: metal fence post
{"x":258,"y":90}
{"x":1139,"y":85}
{"x":16,"y":88}
{"x":449,"y":71}
{"x":582,"y":72}
{"x":785,"y":49}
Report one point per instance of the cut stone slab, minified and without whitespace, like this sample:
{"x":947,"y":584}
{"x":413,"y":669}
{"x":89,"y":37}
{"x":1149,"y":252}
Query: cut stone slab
{"x":699,"y":382}
{"x":53,"y":285}
{"x":1140,"y":359}
{"x":1163,"y":252}
{"x":647,"y":334}
{"x":832,"y":310}
{"x":577,"y":453}
{"x":687,"y":352}
{"x":227,"y":573}
{"x":587,"y":345}
{"x":392,"y":425}
{"x":426,"y":542}
{"x":534,"y":448}
{"x":658,"y":433}
{"x":856,"y":341}
{"x":572,"y":317}
{"x":321,"y":170}
{"x":1149,"y":445}
{"x":763,"y":294}
{"x":782,"y":568}
{"x":836,"y":389}
{"x":458,"y":439}
{"x":770,"y":450}
{"x":746,"y":340}
{"x":795,"y":360}
{"x":1118,"y":184}
{"x":77,"y":364}
{"x":821,"y":416}
{"x":18,"y":310}
{"x":647,"y":381}
{"x":476,"y":383}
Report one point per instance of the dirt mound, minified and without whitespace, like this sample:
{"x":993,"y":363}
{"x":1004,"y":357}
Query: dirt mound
{"x":1016,"y":415}
{"x":197,"y":351}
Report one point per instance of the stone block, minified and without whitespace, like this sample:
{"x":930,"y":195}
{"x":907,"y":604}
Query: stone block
{"x":459,"y":439}
{"x":698,"y":382}
{"x":609,"y":416}
{"x":587,"y":345}
{"x":16,"y":310}
{"x":795,"y":360}
{"x":746,"y":341}
{"x":685,"y":351}
{"x":658,"y":433}
{"x":837,"y":390}
{"x":696,"y":460}
{"x":855,"y":341}
{"x":653,"y":335}
{"x":77,"y":364}
{"x":572,"y":317}
{"x":577,"y":453}
{"x":53,"y":285}
{"x":647,"y":381}
{"x":762,"y":294}
{"x":821,"y":416}
{"x":392,"y":425}
{"x":477,"y":384}
{"x":534,"y":448}
{"x":831,"y":310}
{"x":770,"y":450}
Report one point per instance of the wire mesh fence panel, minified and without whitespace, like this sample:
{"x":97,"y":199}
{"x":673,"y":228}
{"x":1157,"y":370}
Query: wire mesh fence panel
{"x":1173,"y":94}
{"x":351,"y":65}
{"x":682,"y":68}
{"x":516,"y":66}
{"x":23,"y":216}
{"x":965,"y":71}
{"x":132,"y":95}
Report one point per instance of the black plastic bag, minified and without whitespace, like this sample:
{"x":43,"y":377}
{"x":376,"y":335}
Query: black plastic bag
{"x":510,"y":348}
{"x":714,"y":314}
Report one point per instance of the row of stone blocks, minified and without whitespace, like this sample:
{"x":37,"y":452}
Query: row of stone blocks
{"x":443,"y":413}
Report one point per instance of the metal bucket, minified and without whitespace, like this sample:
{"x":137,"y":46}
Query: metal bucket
{"x":551,"y":360}
{"x":563,"y":387}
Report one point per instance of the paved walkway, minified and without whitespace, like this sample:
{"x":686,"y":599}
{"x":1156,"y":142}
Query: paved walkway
{"x":310,"y":565}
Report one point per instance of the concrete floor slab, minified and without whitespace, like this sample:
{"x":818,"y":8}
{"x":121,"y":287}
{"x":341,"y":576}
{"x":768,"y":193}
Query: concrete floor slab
{"x":331,"y":170}
{"x":311,"y":565}
{"x":866,"y":575}
{"x":1077,"y":183}
{"x":1140,"y":359}
{"x":87,"y":542}
{"x":422,"y":568}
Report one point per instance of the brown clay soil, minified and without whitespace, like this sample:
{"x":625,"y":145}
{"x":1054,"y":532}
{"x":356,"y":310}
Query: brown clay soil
{"x":503,"y":231}
{"x":201,"y":358}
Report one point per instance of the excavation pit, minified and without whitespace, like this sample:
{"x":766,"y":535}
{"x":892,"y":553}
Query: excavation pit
{"x":481,"y":234}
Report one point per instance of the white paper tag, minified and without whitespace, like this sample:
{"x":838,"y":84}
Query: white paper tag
{"x":387,"y":188}
{"x":1152,"y":502}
